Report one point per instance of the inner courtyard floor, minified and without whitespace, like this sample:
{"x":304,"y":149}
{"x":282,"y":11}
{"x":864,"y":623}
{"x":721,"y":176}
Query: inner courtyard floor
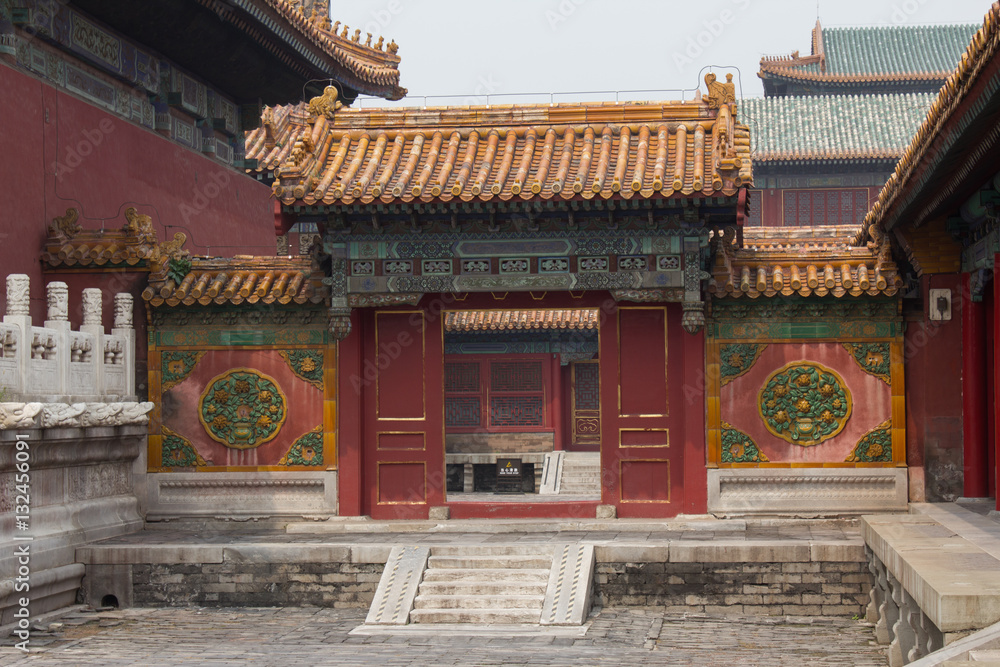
{"x":312,"y":636}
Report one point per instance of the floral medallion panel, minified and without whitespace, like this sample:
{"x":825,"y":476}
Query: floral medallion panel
{"x":808,"y":402}
{"x":241,"y":408}
{"x":804,"y":403}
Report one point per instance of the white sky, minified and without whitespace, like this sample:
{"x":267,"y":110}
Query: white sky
{"x":473,"y":48}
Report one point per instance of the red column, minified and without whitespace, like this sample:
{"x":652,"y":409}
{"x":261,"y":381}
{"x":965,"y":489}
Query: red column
{"x":996,"y":365}
{"x":974,"y":395}
{"x":350,"y":376}
{"x":557,"y":403}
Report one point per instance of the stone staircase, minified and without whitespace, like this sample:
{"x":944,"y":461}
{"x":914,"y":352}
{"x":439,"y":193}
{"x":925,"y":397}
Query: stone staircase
{"x":485,"y":585}
{"x":581,"y":474}
{"x":499,"y":585}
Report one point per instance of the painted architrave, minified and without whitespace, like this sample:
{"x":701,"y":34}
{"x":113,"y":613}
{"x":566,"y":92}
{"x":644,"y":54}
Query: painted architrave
{"x":404,"y":404}
{"x":769,"y":324}
{"x":161,"y":382}
{"x":645,"y":452}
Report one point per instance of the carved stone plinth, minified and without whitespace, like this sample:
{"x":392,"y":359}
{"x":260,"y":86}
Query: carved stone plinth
{"x":241,"y":496}
{"x":806,"y":491}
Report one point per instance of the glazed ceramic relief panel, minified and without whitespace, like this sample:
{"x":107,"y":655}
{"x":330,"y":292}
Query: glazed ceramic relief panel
{"x":806,"y":403}
{"x":241,"y":408}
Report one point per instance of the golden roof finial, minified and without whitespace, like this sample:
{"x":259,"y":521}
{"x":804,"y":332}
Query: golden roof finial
{"x":357,"y":35}
{"x":378,"y":45}
{"x":393,"y":47}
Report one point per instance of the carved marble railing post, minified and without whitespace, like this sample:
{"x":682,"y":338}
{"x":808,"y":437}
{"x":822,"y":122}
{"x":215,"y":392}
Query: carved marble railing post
{"x":17,"y":341}
{"x":924,"y":632}
{"x":93,"y":323}
{"x":883,"y":629}
{"x":123,"y":327}
{"x":900,"y":634}
{"x":876,"y":596}
{"x":57,"y":319}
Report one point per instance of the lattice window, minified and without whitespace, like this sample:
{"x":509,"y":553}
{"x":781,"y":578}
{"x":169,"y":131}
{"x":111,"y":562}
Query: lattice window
{"x":516,"y":376}
{"x":824,"y":207}
{"x":587,"y":388}
{"x":461,"y":376}
{"x":496,"y":393}
{"x":463,"y":411}
{"x":516,"y":411}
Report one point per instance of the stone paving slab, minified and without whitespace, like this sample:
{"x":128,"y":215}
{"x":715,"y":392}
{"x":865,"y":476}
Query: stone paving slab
{"x":309,"y":636}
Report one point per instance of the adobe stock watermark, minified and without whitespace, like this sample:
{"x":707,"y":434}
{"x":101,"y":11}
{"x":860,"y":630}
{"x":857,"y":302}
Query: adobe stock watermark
{"x":905,"y":11}
{"x":711,"y":30}
{"x":562,"y":12}
{"x":381,"y":18}
{"x":485,"y":87}
{"x":83,"y":146}
{"x":202,"y":195}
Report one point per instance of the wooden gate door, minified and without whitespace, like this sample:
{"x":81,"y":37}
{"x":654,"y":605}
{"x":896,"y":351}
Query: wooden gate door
{"x":404,"y":434}
{"x":640,"y":459}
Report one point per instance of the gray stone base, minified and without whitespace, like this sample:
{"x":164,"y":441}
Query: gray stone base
{"x":241,"y":496}
{"x":806,"y":491}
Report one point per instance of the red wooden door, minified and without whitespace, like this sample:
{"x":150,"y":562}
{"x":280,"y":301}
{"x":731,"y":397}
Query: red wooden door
{"x":641,"y":445}
{"x":404,"y":435}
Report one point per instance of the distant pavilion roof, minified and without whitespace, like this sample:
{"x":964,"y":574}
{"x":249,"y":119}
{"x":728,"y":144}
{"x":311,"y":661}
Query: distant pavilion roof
{"x":886,"y":54}
{"x":510,"y":152}
{"x":833,"y":127}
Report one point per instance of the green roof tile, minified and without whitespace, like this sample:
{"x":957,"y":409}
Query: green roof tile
{"x":833,"y":127}
{"x":895,"y":49}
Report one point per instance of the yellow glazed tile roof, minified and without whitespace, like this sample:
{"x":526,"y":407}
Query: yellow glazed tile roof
{"x":503,"y":152}
{"x":801,"y":261}
{"x":496,"y":320}
{"x":267,"y":280}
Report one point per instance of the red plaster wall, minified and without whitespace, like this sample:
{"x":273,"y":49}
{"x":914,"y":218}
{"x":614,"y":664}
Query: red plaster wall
{"x":303,"y":407}
{"x":870,"y":396}
{"x":932,"y":354}
{"x":118,"y":165}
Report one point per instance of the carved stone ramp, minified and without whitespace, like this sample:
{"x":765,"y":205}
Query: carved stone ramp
{"x":498,"y":585}
{"x":567,"y":597}
{"x":398,"y":586}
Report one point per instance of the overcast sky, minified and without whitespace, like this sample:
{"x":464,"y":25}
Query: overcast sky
{"x":474,"y":48}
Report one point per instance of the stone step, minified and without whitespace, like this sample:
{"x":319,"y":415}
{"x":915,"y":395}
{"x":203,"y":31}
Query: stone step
{"x":477,"y":616}
{"x":490,"y":562}
{"x":485,"y":576}
{"x":492,"y":550}
{"x":499,"y":589}
{"x":479,"y":602}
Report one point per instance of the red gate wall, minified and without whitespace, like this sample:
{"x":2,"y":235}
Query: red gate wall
{"x":403,"y":406}
{"x":652,"y":413}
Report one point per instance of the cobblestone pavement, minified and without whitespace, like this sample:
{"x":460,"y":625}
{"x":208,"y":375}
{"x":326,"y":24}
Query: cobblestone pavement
{"x":312,"y":636}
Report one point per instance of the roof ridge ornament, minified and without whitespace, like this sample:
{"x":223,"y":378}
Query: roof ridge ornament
{"x":719,"y":93}
{"x":325,"y":105}
{"x":66,"y":225}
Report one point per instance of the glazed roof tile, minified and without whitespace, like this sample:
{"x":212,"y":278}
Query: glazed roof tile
{"x":542,"y":318}
{"x":803,"y":261}
{"x":503,"y":152}
{"x":135,"y":244}
{"x":912,"y":171}
{"x":833,"y":127}
{"x":872,"y":54}
{"x":267,"y":280}
{"x":372,"y":70}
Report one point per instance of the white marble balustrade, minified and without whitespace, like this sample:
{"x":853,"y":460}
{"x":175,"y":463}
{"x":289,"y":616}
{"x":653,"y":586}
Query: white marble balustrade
{"x":54,"y":363}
